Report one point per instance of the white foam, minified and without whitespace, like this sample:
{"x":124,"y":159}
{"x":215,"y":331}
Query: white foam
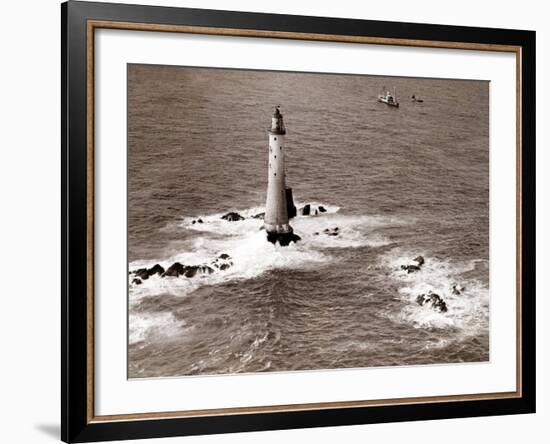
{"x":251,"y":351}
{"x":251,"y":254}
{"x":156,"y":285}
{"x":148,"y":325}
{"x":353,"y":231}
{"x":467,"y":312}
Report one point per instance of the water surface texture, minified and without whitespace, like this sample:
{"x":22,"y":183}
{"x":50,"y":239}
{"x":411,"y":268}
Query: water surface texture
{"x":397,"y":183}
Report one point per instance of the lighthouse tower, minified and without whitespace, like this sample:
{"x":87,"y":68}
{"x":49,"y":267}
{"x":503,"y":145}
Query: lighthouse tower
{"x":276,"y":207}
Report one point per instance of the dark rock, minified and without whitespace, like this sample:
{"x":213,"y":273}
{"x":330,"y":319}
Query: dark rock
{"x":205,"y":269}
{"x":410,"y":268}
{"x":419,"y":260}
{"x":136,"y":281}
{"x":441,"y":306}
{"x":155,"y":269}
{"x":290,"y":207}
{"x":259,"y":216}
{"x":331,"y":231}
{"x":191,"y":271}
{"x":457,"y":289}
{"x":312,"y":210}
{"x":175,"y":270}
{"x":232,"y":216}
{"x":284,"y":239}
{"x":316,"y":233}
{"x":433,"y":300}
{"x":194,"y":222}
{"x":199,"y":221}
{"x":223,"y":262}
{"x":142,"y":273}
{"x":145,"y":273}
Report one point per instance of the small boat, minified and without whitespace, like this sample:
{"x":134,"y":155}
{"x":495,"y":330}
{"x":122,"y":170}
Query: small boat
{"x":416,"y":99}
{"x":389,"y":99}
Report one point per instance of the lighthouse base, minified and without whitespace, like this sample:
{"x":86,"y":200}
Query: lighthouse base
{"x":283,"y":239}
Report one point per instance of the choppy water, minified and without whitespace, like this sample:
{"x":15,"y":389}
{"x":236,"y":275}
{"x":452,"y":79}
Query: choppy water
{"x":396,"y":182}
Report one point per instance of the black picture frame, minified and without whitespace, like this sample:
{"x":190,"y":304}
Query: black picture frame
{"x":76,"y":423}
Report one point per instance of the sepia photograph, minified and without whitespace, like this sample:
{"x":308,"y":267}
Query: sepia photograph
{"x":290,"y":221}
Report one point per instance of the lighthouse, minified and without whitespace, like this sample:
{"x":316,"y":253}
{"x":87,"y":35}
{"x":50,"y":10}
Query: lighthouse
{"x":279,"y":206}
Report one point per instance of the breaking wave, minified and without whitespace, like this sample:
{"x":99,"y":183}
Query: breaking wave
{"x":251,"y":254}
{"x":149,"y":325}
{"x":468,"y":312}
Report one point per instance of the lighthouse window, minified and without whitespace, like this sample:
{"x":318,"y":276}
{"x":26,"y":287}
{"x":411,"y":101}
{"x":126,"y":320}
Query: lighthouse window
{"x":275,"y":156}
{"x":274,"y":174}
{"x":275,"y":138}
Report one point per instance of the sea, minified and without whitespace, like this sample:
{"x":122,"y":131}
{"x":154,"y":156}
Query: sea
{"x":396,"y":183}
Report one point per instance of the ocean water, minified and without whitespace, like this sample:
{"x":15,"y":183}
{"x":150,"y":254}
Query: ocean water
{"x":396,"y":182}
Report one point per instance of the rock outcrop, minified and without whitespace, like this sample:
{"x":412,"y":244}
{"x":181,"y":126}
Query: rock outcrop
{"x":432,"y":300}
{"x":155,"y":269}
{"x":232,"y":216}
{"x":283,"y":239}
{"x":146,"y":273}
{"x":312,"y":210}
{"x":221,"y":263}
{"x":142,"y":274}
{"x":174,"y":270}
{"x":457,"y":289}
{"x":418,"y":261}
{"x":193,"y":270}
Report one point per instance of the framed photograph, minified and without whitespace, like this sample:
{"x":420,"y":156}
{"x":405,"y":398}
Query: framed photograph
{"x":275,"y":221}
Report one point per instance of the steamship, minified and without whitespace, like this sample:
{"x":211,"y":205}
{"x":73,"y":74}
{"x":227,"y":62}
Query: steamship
{"x":389,"y":99}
